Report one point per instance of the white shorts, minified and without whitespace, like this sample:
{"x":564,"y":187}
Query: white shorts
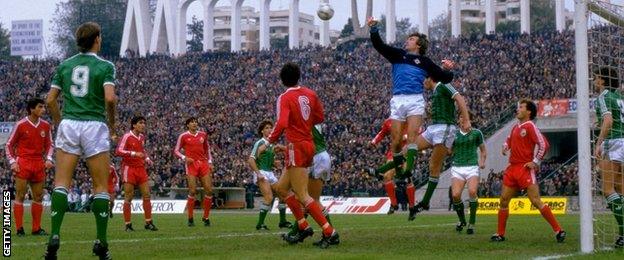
{"x":321,"y":166}
{"x":613,"y":149}
{"x":402,"y":106}
{"x":269,"y":176}
{"x":464,"y":172}
{"x":82,"y":138}
{"x":440,"y":134}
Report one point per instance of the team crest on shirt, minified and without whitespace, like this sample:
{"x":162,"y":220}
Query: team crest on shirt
{"x":201,"y":140}
{"x":42,"y":133}
{"x":523,"y":132}
{"x":416,"y":61}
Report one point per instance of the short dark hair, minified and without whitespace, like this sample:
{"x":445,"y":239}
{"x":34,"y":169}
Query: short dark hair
{"x":609,"y":75}
{"x":290,"y":74}
{"x":32,"y":104}
{"x":530,"y":105}
{"x":422,"y":42}
{"x":135,"y":120}
{"x":86,"y":35}
{"x":189,"y":120}
{"x":262,"y":125}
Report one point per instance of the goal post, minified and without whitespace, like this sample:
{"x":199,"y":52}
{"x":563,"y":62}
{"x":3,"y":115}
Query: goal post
{"x":599,"y":48}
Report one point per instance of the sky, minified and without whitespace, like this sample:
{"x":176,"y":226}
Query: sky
{"x":44,"y":9}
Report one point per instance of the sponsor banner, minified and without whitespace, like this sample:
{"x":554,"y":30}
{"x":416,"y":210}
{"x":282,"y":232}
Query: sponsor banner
{"x":26,"y":37}
{"x":573,"y":105}
{"x":342,"y":205}
{"x":553,"y":107}
{"x":522,"y":206}
{"x":158,"y":206}
{"x":5,"y":131}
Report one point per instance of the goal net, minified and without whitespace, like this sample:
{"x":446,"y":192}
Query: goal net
{"x":605,"y":39}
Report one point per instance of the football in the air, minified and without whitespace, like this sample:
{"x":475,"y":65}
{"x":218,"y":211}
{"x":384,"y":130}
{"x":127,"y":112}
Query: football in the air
{"x":325,"y":11}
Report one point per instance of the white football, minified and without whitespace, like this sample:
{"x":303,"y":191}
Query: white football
{"x":325,"y":12}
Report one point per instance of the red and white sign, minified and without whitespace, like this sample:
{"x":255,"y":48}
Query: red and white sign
{"x":342,"y":205}
{"x":158,"y":206}
{"x":553,"y":107}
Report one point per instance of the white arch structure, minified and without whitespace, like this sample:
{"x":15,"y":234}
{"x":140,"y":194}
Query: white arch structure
{"x":168,"y":33}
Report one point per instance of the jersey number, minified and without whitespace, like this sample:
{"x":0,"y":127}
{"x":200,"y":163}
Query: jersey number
{"x":80,"y":80}
{"x":620,"y":104}
{"x":304,"y":104}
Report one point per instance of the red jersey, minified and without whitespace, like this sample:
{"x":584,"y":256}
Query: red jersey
{"x":298,"y":110}
{"x":113,"y":179}
{"x":129,"y":144}
{"x":522,"y":141}
{"x":386,"y":128}
{"x":30,"y":141}
{"x":195,"y":146}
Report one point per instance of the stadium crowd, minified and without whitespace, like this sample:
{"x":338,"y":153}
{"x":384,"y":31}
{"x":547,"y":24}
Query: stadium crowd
{"x":231,"y":93}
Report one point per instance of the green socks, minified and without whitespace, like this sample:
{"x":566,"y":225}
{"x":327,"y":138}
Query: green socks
{"x":58,"y":208}
{"x":431,"y":186}
{"x":100,"y":211}
{"x":473,"y":210}
{"x":264,"y":209}
{"x":615,"y":203}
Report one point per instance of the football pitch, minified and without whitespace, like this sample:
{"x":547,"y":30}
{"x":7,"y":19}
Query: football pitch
{"x":233,"y":236}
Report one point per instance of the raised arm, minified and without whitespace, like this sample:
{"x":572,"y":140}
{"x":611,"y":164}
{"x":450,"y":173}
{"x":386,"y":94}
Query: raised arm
{"x":391,"y":54}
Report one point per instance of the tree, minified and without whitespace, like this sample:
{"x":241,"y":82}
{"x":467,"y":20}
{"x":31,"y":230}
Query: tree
{"x":472,"y":28}
{"x":69,"y":15}
{"x":278,"y":43}
{"x":196,"y":31}
{"x":5,"y":44}
{"x":440,"y":27}
{"x":347,"y":30}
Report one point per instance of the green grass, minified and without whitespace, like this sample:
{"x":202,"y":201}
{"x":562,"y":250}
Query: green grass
{"x":233,"y":236}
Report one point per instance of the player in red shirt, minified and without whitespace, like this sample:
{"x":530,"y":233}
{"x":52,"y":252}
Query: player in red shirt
{"x":198,"y":163}
{"x":113,"y":182}
{"x":388,"y":176}
{"x":29,"y":151}
{"x":131,"y":149}
{"x":523,"y":164}
{"x":298,"y":110}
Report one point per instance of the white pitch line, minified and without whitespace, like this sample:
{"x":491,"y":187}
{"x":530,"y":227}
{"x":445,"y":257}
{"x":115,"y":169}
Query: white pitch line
{"x":219,"y":236}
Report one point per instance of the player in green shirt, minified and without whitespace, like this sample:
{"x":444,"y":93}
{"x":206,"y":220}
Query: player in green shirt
{"x":609,"y":149}
{"x":261,"y":161}
{"x":440,"y":134}
{"x":465,"y":170}
{"x":87,"y":84}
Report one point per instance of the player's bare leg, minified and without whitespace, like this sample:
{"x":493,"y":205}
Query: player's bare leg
{"x":390,"y":188}
{"x":610,"y":171}
{"x":534,"y":197}
{"x":315,"y":188}
{"x":267,"y":196}
{"x":36,"y":208}
{"x":299,"y":182}
{"x":206,"y":182}
{"x":413,"y":125}
{"x":127,"y":206}
{"x":457,"y":187}
{"x":147,"y":206}
{"x":396,"y":134}
{"x":473,"y":187}
{"x":507,"y":194}
{"x":21,"y":187}
{"x":190,"y":202}
{"x":435,"y":163}
{"x":64,"y":169}
{"x":98,"y":166}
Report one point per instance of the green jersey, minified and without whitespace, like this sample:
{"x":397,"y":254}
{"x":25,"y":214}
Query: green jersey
{"x":610,"y":102}
{"x":264,"y":160}
{"x":319,"y":140}
{"x":81,"y":80}
{"x":465,"y":148}
{"x":443,"y":104}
